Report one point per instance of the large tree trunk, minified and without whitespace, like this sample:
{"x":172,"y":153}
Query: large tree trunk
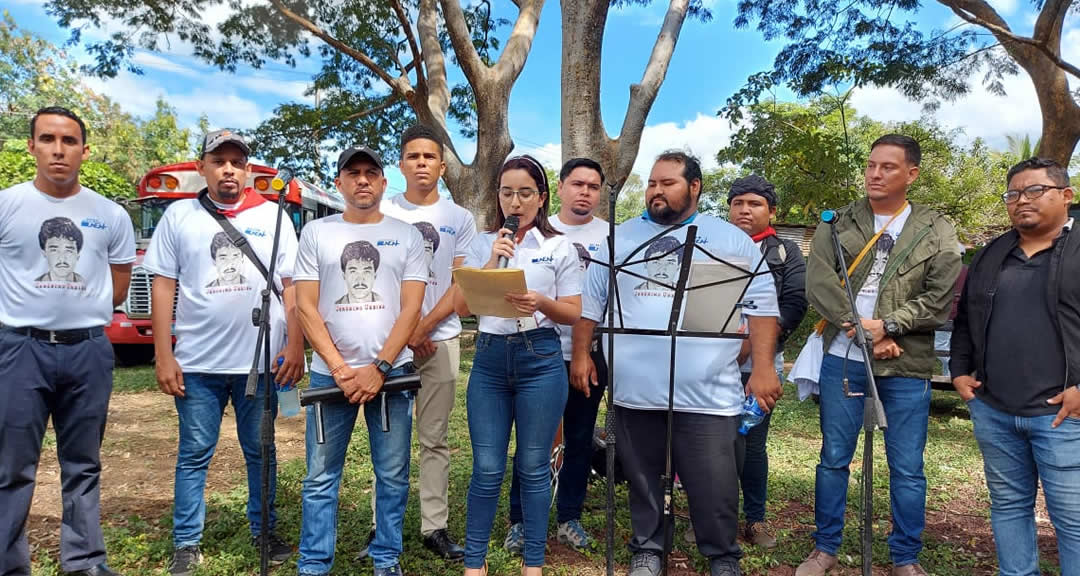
{"x":583,"y":132}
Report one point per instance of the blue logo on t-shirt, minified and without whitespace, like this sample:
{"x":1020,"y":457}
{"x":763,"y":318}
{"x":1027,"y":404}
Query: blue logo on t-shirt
{"x":448,"y":230}
{"x":388,"y":243}
{"x":542,"y":259}
{"x":254,"y":232}
{"x":93,"y":223}
{"x":594,"y":247}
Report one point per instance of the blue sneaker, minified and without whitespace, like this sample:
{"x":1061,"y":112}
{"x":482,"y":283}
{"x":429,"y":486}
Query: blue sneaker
{"x":515,"y":540}
{"x":574,"y":535}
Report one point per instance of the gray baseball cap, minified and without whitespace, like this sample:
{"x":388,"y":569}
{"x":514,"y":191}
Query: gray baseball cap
{"x":349,"y":154}
{"x":218,"y":138}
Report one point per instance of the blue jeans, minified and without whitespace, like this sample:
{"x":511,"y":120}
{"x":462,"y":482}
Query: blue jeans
{"x":907,"y":409}
{"x":390,"y":454}
{"x":754,"y":478}
{"x":579,"y":423}
{"x":200,"y":411}
{"x":517,"y":378}
{"x":1019,"y":453}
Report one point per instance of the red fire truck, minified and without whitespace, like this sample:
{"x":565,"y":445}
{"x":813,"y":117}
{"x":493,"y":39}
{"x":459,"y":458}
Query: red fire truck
{"x":130,"y":330}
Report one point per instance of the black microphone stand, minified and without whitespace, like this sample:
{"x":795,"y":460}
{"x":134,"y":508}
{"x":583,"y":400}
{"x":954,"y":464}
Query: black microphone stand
{"x":261,"y":318}
{"x":873,"y":411}
{"x":609,"y":416}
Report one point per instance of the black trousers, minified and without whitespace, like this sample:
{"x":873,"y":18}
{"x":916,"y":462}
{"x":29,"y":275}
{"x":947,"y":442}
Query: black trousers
{"x":707,"y":453}
{"x":71,"y":382}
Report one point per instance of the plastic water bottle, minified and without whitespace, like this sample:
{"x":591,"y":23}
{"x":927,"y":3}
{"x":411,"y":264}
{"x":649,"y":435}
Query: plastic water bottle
{"x":288,"y":397}
{"x":752,"y":415}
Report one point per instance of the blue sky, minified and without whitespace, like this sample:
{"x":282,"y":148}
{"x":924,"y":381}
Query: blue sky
{"x":711,"y":61}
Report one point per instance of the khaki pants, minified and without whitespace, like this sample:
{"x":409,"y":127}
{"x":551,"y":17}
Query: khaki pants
{"x":434,"y":401}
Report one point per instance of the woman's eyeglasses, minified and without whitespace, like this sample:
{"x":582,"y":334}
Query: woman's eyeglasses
{"x":524,"y":194}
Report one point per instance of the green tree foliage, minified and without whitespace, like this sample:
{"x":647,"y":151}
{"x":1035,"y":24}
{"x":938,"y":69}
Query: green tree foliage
{"x":815,"y":155}
{"x":34,"y":74}
{"x":17,"y":165}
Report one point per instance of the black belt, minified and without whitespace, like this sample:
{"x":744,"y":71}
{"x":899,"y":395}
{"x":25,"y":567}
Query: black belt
{"x":57,"y":336}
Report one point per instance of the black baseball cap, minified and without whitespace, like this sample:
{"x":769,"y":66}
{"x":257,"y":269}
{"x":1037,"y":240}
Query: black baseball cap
{"x":218,"y":138}
{"x":349,"y":154}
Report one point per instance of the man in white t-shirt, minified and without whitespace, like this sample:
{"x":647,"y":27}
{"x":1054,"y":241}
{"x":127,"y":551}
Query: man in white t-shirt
{"x":358,"y":344}
{"x":446,"y":229}
{"x":216,"y":286}
{"x":905,"y":287}
{"x":65,"y":264}
{"x":708,"y":388}
{"x":580,"y":181}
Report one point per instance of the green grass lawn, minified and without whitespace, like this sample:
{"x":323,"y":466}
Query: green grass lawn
{"x":956,"y":542}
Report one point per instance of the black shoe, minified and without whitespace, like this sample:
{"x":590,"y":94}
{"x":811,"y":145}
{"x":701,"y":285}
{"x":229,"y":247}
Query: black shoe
{"x":185,"y":560}
{"x":279,"y":549}
{"x":99,"y":570}
{"x":364,"y":551}
{"x":440,"y":543}
{"x":724,"y":567}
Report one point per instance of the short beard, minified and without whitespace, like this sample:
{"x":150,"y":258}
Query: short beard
{"x":666,"y":215}
{"x":580,"y":211}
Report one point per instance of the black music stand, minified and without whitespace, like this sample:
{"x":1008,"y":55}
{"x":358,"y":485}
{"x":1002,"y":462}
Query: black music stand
{"x":672,"y":331}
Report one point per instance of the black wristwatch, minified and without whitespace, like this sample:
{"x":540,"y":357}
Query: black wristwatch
{"x":892,"y":329}
{"x":384,"y":367}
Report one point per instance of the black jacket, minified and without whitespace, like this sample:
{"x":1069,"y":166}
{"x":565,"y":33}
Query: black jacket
{"x":789,"y":274}
{"x":968,"y":347}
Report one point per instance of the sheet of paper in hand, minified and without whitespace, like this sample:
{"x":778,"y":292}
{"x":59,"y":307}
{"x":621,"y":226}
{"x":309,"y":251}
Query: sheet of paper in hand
{"x":485,"y":290}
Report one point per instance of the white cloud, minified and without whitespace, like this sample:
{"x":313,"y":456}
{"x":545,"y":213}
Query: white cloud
{"x":703,"y":136}
{"x":223,"y":107}
{"x":1004,"y":7}
{"x":550,"y":154}
{"x":148,"y":60}
{"x":980,"y":114}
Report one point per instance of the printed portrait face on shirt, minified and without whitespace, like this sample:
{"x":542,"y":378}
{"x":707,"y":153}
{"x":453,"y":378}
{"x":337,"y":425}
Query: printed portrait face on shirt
{"x":583,"y":255}
{"x":663,"y":266}
{"x":359,"y":265}
{"x":431,"y":242}
{"x":228,"y":262}
{"x":60,"y":241}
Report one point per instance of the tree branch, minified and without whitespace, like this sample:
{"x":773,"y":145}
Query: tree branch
{"x":1003,"y":34}
{"x":471,"y":64}
{"x":1050,"y":19}
{"x":643,"y":94}
{"x":437,"y":89}
{"x":407,"y":27}
{"x":399,"y":85}
{"x":516,"y":49}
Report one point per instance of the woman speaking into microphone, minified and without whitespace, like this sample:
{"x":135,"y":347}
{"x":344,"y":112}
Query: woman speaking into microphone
{"x":518,"y":376}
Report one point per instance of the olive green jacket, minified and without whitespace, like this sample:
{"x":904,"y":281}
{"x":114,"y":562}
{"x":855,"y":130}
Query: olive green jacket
{"x":916,"y":289}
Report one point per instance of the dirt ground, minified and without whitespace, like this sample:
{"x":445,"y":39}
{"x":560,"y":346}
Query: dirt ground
{"x":138,"y":461}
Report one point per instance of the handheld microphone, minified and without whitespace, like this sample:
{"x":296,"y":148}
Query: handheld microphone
{"x":511,"y":224}
{"x":281,"y":180}
{"x":828,"y":216}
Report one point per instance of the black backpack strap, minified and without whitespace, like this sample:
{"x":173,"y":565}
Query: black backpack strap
{"x":237,"y":238}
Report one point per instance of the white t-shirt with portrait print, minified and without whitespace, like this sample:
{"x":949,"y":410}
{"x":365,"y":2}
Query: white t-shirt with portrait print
{"x":589,"y":239}
{"x":55,"y":255}
{"x":866,"y":299}
{"x":360,"y":268}
{"x":447,"y":230}
{"x":217,"y":286}
{"x":552,"y":268}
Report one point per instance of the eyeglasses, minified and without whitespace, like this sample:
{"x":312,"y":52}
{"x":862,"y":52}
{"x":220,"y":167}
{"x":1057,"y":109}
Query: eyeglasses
{"x":524,"y":194}
{"x":1032,"y":192}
